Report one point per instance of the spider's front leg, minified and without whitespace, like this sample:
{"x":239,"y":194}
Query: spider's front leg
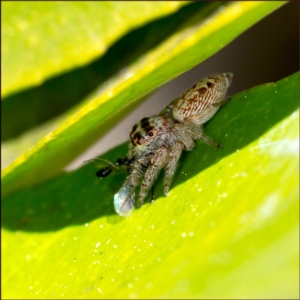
{"x":170,"y":168}
{"x":158,"y":161}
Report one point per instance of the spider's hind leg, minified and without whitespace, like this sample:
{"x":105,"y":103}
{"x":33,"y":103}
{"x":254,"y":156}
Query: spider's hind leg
{"x":206,"y":139}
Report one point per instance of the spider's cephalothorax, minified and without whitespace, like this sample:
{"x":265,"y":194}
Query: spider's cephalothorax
{"x":157,"y":142}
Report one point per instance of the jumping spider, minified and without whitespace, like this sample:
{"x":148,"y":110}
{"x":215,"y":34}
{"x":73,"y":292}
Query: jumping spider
{"x":157,"y":142}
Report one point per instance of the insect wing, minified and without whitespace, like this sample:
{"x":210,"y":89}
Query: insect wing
{"x":124,"y":201}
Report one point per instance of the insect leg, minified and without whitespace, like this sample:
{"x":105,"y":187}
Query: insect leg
{"x":170,"y":168}
{"x":158,"y":161}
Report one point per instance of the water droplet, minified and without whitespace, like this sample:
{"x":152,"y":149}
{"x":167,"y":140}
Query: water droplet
{"x":183,"y":234}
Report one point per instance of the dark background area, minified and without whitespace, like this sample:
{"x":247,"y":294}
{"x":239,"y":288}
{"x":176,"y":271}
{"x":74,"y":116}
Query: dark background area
{"x":266,"y":52}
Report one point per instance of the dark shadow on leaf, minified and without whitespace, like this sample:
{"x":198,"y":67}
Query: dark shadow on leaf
{"x":69,"y":199}
{"x":80,"y":197}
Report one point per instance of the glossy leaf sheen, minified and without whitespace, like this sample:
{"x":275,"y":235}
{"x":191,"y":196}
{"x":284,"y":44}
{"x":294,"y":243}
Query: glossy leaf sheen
{"x":197,"y":40}
{"x":41,"y":39}
{"x":228,"y":228}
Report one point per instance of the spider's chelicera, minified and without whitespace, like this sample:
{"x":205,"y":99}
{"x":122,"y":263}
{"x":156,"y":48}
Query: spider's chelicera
{"x":157,"y":142}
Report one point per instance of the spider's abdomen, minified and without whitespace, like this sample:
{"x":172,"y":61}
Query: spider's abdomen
{"x":201,"y":98}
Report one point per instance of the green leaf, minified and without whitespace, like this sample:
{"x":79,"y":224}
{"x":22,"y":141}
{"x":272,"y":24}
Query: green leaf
{"x":198,"y":39}
{"x":41,"y":39}
{"x":228,"y":229}
{"x":61,"y":92}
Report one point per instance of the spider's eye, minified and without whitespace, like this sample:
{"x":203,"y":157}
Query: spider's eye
{"x":210,"y":84}
{"x":150,"y":133}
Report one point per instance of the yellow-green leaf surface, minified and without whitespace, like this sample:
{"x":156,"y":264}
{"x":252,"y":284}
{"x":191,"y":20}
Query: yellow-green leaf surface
{"x":41,"y":39}
{"x":60,"y":93}
{"x":228,"y":229}
{"x":197,"y":40}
